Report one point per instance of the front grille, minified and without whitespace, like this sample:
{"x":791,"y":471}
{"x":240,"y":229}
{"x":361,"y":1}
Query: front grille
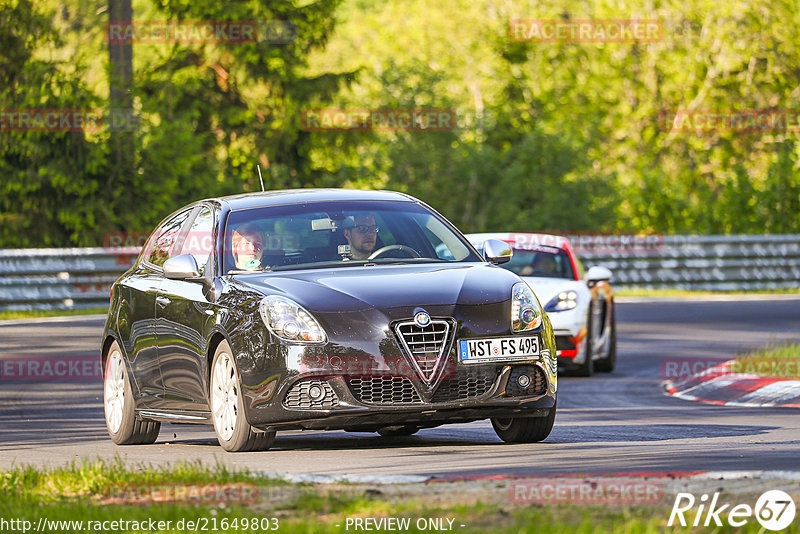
{"x":538,"y":382}
{"x":564,"y":343}
{"x":299,"y":397}
{"x":466,"y":384}
{"x":425,"y":345}
{"x":384,"y":390}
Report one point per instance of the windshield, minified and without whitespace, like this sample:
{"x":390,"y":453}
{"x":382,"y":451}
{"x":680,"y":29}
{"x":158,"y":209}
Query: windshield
{"x":541,"y":261}
{"x":329,"y":234}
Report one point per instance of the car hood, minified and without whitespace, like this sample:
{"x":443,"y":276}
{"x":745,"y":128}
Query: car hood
{"x":387,"y":286}
{"x":547,"y":288}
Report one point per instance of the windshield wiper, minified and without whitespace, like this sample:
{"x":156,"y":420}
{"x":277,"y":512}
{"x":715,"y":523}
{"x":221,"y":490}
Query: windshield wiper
{"x":384,"y":261}
{"x":356,"y":263}
{"x":322,"y":265}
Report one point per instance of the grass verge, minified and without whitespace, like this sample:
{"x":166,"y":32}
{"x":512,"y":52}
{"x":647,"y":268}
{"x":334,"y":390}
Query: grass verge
{"x":777,"y":361}
{"x":32,"y":314}
{"x":90,"y":492}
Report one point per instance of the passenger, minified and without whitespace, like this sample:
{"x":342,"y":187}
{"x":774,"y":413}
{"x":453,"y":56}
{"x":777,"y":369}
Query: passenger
{"x":248,"y":246}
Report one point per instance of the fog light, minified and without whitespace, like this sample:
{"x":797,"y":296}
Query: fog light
{"x":316,"y":393}
{"x":524,"y":381}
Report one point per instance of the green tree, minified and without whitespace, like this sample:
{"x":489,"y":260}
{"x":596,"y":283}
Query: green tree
{"x":52,"y":181}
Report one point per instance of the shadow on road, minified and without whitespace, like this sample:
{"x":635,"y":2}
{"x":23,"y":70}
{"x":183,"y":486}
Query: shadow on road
{"x":632,"y":433}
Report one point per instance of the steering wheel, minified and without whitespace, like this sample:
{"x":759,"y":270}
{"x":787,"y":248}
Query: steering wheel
{"x":388,"y":248}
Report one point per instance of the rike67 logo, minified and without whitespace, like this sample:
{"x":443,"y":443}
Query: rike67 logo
{"x":774,"y":510}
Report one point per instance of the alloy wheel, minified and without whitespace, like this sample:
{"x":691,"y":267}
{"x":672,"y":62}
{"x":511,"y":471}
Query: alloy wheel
{"x":114,"y":391}
{"x":225,"y":396}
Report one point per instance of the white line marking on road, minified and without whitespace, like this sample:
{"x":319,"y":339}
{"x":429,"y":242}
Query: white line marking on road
{"x":344,"y":477}
{"x":710,"y":298}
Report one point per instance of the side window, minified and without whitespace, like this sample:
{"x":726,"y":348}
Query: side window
{"x":199,"y":241}
{"x":161,"y":242}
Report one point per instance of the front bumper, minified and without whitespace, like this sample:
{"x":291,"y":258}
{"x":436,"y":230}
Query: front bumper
{"x":570,"y":333}
{"x":355,"y":359}
{"x":350,"y":410}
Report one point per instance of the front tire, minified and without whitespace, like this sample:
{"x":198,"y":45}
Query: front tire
{"x":118,"y":404}
{"x":587,"y":367}
{"x":607,"y":364}
{"x":227,"y":407}
{"x":525,"y":430}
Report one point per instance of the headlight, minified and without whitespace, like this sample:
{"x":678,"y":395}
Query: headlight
{"x":289,"y":321}
{"x":566,"y":300}
{"x":525,"y":311}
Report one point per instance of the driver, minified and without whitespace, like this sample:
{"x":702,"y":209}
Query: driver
{"x":546,"y":264}
{"x":362,"y":235}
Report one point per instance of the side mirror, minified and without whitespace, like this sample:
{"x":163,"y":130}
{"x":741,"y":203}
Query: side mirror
{"x":497,"y":252}
{"x":181,"y":267}
{"x":598,"y":273}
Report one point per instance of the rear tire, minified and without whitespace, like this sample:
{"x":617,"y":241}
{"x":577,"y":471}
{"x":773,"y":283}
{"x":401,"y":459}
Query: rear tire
{"x":607,"y":364}
{"x":227,"y":407}
{"x":119,"y":406}
{"x":525,"y":430}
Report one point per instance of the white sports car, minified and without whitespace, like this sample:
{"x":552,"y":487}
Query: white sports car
{"x":580,"y":307}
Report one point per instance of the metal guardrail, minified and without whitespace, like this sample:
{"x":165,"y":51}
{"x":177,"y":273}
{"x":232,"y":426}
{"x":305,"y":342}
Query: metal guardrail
{"x":82,"y":277}
{"x":60,"y":278}
{"x":706,"y":263}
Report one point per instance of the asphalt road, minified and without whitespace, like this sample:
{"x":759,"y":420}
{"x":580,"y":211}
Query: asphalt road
{"x":620,"y":422}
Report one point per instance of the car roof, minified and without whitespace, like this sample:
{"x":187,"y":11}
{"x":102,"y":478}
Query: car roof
{"x":297,"y":196}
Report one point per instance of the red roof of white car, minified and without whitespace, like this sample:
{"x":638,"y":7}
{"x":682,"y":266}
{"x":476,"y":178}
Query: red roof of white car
{"x":523,"y":240}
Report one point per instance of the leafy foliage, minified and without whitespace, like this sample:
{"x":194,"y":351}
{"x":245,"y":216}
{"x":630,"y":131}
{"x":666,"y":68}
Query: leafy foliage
{"x":561,"y":136}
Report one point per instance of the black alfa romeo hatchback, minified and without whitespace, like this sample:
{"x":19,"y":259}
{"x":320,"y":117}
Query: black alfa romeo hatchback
{"x":323,"y":309}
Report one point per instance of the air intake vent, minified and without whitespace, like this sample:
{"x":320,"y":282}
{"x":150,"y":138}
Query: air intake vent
{"x":384,"y":390}
{"x":466,"y":384}
{"x":425,"y":345}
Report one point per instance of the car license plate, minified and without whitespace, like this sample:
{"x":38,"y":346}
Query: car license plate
{"x":504,"y":349}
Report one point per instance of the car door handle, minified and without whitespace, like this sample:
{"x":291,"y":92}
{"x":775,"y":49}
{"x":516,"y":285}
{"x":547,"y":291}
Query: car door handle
{"x":162,"y":301}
